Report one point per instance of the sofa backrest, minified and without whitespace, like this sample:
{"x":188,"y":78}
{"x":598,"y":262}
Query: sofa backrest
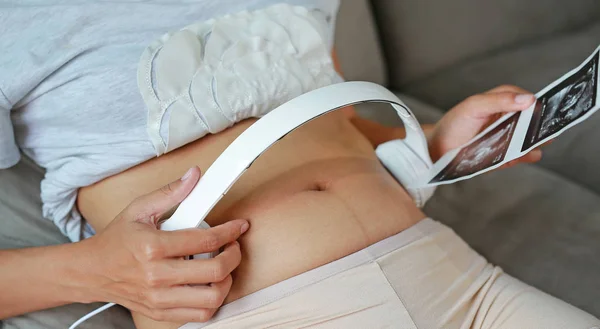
{"x":421,"y":37}
{"x":357,"y":43}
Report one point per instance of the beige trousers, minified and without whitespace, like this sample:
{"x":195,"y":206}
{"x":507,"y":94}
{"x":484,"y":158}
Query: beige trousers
{"x":425,"y":277}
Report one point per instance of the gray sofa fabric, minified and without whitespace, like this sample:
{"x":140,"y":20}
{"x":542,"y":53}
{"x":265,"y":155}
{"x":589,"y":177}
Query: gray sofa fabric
{"x":532,"y":65}
{"x":357,"y":44}
{"x":423,"y":37}
{"x":21,"y":209}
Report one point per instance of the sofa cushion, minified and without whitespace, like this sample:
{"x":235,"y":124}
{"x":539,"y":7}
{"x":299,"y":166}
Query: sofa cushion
{"x":422,"y":37}
{"x":532,"y":66}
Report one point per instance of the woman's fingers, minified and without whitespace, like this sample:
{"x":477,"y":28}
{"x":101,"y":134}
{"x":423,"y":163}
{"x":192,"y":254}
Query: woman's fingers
{"x":547,"y":143}
{"x":187,"y":242}
{"x":197,"y":297}
{"x":536,"y":155}
{"x":202,"y":271}
{"x":192,"y":303}
{"x":483,"y":106}
{"x":508,"y":88}
{"x":531,"y":157}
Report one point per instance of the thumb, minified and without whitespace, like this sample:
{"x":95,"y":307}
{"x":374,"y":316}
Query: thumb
{"x":484,"y":105}
{"x":151,"y":207}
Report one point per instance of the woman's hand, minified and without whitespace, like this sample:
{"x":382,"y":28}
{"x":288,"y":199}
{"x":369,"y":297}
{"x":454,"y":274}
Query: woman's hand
{"x":134,"y":264}
{"x":470,"y":117}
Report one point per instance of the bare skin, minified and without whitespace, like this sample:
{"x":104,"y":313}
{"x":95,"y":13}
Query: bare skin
{"x":323,"y":181}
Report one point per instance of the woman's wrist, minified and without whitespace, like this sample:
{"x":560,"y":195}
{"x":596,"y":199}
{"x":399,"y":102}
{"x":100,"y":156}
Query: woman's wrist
{"x":79,"y":271}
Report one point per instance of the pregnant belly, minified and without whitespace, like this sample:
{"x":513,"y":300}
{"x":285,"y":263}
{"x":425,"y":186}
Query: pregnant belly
{"x":314,"y":214}
{"x":318,"y":195}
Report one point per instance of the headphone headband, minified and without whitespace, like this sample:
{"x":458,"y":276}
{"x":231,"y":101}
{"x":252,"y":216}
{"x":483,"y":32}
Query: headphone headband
{"x":275,"y":125}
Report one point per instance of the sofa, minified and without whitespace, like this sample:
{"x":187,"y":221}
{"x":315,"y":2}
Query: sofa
{"x":540,"y":222}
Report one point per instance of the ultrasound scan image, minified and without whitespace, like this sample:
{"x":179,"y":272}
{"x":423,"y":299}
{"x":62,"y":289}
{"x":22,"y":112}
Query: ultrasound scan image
{"x":485,"y":152}
{"x":563,"y":104}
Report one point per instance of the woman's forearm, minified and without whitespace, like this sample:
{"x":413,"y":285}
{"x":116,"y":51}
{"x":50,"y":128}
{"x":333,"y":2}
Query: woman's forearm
{"x":33,"y":279}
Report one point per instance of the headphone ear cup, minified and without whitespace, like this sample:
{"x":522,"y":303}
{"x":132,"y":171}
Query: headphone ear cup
{"x":408,"y":168}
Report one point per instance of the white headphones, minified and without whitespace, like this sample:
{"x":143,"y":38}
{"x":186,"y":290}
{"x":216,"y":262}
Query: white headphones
{"x":407,"y":160}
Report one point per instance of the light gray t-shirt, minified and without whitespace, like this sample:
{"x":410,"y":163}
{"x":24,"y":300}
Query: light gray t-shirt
{"x":69,"y":98}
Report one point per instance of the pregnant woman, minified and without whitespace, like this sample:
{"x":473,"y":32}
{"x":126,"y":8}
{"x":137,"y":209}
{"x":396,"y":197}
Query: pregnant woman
{"x":334,"y":240}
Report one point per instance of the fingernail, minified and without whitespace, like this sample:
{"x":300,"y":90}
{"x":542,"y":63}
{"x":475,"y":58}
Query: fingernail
{"x":245,"y":227}
{"x":187,"y":174}
{"x":524,"y":99}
